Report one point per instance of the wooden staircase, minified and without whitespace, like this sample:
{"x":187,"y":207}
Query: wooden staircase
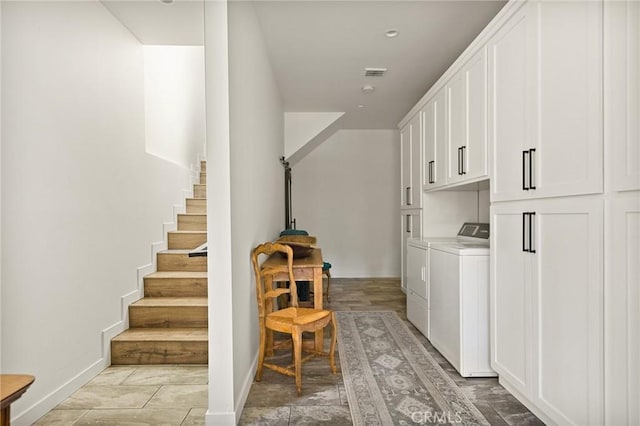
{"x":169,"y":324}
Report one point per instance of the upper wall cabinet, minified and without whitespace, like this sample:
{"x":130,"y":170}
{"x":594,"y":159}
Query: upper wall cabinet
{"x":467,"y":121}
{"x":411,"y":161}
{"x":545,"y":101}
{"x":622,"y":80}
{"x":435,"y":123}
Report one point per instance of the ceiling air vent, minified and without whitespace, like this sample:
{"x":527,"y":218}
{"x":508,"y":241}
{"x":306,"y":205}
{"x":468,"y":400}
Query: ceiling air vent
{"x":374,"y":72}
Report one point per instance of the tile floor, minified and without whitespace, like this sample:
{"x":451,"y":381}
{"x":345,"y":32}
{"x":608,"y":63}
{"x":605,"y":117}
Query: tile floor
{"x":177,"y":395}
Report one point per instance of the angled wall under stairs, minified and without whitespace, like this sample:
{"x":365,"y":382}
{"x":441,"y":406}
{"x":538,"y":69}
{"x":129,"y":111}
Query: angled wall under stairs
{"x":169,"y":324}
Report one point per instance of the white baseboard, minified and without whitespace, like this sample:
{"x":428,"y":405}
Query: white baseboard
{"x":228,"y":419}
{"x":42,"y":407}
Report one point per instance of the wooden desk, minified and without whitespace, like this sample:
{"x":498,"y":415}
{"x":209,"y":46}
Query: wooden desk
{"x":12,"y":386}
{"x":304,"y":269}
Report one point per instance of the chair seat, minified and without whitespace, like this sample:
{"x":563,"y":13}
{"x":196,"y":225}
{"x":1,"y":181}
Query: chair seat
{"x":289,"y":317}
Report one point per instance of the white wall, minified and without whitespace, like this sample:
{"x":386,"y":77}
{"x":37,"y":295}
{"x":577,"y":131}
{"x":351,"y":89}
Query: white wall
{"x":81,"y":200}
{"x":346,"y":193}
{"x":247,"y":158}
{"x":257,"y":194}
{"x":174,"y":102}
{"x":301,"y":127}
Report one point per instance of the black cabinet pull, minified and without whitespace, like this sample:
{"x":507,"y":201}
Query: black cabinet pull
{"x":531,"y":220}
{"x":531,"y":185}
{"x":463,"y":149}
{"x":524,"y":170}
{"x":408,"y":223}
{"x":524,"y":233}
{"x":407,"y":195}
{"x":432,"y":165}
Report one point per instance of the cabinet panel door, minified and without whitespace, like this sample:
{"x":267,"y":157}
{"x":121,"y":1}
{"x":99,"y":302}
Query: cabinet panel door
{"x":475,"y":155}
{"x":405,"y":164}
{"x":456,"y":90}
{"x":622,"y":89}
{"x":428,"y":178}
{"x":510,"y":298}
{"x":509,"y":106}
{"x":410,"y":227}
{"x":568,"y":309}
{"x":568,"y":146}
{"x":440,"y":142}
{"x":417,"y":137}
{"x":622,"y":311}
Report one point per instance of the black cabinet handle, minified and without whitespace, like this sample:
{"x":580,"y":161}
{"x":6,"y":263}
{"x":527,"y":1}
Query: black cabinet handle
{"x":524,"y":170}
{"x":531,"y":185}
{"x":524,"y":227}
{"x":407,"y":195}
{"x":464,"y":169}
{"x":431,"y":163}
{"x":531,"y":220}
{"x":408,"y":223}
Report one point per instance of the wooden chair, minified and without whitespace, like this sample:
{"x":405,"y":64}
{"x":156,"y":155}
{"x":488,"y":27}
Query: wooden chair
{"x":292,"y":320}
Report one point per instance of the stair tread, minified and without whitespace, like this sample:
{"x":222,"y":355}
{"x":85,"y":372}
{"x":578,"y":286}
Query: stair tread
{"x":176,"y":274}
{"x":183,"y":231}
{"x":175,"y":251}
{"x":192,"y":214}
{"x":163,"y":334}
{"x":172,"y":301}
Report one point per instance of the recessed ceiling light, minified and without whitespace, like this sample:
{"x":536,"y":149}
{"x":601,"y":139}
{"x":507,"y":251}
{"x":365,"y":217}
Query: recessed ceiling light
{"x":166,"y":1}
{"x":360,"y":106}
{"x":368,"y":88}
{"x":391,"y":33}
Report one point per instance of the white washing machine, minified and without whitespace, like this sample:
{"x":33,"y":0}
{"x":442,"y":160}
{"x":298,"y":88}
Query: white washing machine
{"x":459,"y":300}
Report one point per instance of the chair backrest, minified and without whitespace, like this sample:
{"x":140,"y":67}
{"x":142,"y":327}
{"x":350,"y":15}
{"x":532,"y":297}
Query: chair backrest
{"x":263,"y":294}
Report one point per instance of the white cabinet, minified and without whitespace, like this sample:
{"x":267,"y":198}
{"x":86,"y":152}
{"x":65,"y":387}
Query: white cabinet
{"x":545,"y":102}
{"x":417,"y":292}
{"x":435,"y":122}
{"x":467,"y":121}
{"x":410,"y":227}
{"x":622,"y":86}
{"x":622,"y":310}
{"x":546,"y":296}
{"x":411,"y":162}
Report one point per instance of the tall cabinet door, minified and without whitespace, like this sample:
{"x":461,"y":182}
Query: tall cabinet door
{"x":405,"y":165}
{"x":411,"y":227}
{"x":417,"y":125}
{"x":622,"y":87}
{"x":510,"y":70}
{"x":568,"y":309}
{"x":456,"y":125}
{"x":475,"y":153}
{"x":622,"y":311}
{"x":510,"y":297}
{"x":434,"y":141}
{"x":569,"y":127}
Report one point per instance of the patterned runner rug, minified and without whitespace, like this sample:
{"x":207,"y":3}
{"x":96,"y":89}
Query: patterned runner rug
{"x":391,"y":379}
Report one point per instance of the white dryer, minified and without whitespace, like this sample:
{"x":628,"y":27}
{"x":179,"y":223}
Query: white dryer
{"x":459,"y":300}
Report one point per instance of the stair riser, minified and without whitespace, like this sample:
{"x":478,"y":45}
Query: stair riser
{"x":186,"y":241}
{"x":199,"y":191}
{"x":181,"y":262}
{"x":175,"y":287}
{"x":196,"y":206}
{"x":203,"y":178}
{"x":127,"y":353}
{"x":192,"y":223}
{"x":168,"y":316}
{"x":203,"y":166}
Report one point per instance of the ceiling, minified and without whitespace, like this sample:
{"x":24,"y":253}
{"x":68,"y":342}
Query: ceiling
{"x":319,"y":49}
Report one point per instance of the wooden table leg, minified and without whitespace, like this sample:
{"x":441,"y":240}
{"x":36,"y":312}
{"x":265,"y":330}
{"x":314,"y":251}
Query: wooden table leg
{"x":317,"y":303}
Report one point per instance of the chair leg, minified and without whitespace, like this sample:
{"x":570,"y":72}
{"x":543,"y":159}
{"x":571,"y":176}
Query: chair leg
{"x":328,"y":274}
{"x":297,"y":353}
{"x":261,"y":351}
{"x":334,"y":336}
